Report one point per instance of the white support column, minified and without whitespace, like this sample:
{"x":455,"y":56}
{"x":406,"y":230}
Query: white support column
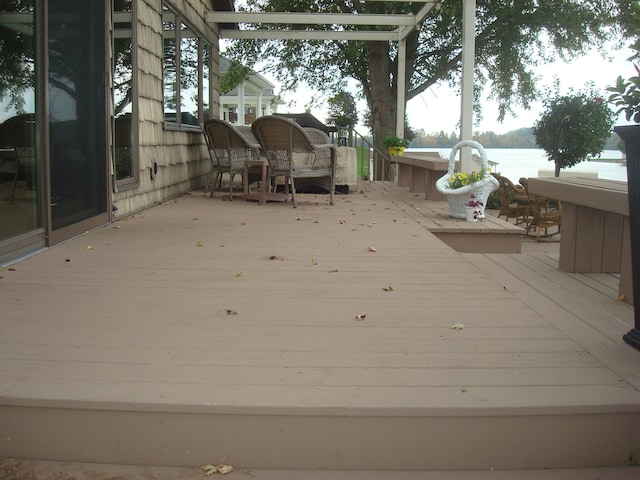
{"x":241,"y":104}
{"x":401,"y":82}
{"x":468,"y":65}
{"x":258,"y":104}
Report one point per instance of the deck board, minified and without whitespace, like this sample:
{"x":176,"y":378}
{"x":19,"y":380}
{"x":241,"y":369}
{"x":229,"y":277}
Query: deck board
{"x":207,"y":307}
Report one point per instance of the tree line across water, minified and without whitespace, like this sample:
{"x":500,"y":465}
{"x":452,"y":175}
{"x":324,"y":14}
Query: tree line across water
{"x":520,"y":138}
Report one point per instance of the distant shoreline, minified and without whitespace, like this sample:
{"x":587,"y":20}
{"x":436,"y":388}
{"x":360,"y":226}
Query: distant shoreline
{"x":608,"y":160}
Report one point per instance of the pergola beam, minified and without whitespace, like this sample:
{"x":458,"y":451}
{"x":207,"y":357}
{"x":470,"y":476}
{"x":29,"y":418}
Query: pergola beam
{"x":405,"y":25}
{"x":363,"y":35}
{"x":297,"y":18}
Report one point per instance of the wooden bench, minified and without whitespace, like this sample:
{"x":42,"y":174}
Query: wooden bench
{"x":596,"y":236}
{"x":420,"y":171}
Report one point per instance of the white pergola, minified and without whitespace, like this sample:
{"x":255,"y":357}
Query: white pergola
{"x":404,"y":25}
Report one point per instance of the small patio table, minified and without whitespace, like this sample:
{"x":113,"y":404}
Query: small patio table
{"x":265,"y":194}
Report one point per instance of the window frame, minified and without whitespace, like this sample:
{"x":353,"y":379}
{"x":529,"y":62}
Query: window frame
{"x":202,"y":42}
{"x":134,"y":179}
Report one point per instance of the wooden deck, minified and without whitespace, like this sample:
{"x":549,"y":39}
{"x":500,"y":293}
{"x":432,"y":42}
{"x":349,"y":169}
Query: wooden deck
{"x":491,"y":235}
{"x":312,"y":338}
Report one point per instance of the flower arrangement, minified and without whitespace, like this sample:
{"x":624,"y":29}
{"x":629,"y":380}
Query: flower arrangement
{"x":475,"y":204}
{"x":394,"y":142}
{"x":460,"y":179}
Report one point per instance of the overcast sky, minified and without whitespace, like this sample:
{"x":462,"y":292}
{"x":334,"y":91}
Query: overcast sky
{"x":439,"y":108}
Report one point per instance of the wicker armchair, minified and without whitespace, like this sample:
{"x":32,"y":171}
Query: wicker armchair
{"x":514,"y":202}
{"x":292,"y":154}
{"x":228,"y":150}
{"x":543,"y":213}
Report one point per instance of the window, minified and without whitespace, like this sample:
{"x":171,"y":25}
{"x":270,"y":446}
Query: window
{"x":186,"y":72}
{"x":124,"y":86}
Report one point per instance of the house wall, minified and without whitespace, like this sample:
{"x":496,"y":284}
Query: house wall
{"x":171,"y":162}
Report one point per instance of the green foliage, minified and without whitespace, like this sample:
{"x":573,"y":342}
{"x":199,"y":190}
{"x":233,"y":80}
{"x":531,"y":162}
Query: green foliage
{"x":512,"y":38}
{"x":462,"y":179}
{"x":395,"y":142}
{"x":626,"y":93}
{"x":342,"y":110}
{"x":236,"y":74}
{"x":573,"y":128}
{"x":17,"y":51}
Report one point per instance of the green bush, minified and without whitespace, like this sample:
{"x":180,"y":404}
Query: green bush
{"x":573,"y":128}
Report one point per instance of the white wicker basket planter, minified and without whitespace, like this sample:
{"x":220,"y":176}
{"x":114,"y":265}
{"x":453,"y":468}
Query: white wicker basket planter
{"x":459,"y":196}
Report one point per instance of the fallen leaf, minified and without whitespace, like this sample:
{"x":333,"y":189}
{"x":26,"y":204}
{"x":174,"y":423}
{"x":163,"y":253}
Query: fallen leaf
{"x":388,"y":289}
{"x":239,"y":274}
{"x":199,"y":244}
{"x":372,"y":249}
{"x":622,"y":297}
{"x":313,"y":262}
{"x":210,"y":469}
{"x":89,"y":247}
{"x":458,"y":326}
{"x":224,"y":469}
{"x":361,"y":317}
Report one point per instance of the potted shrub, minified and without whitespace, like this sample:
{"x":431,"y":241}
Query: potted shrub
{"x":395,"y":145}
{"x":626,"y":96}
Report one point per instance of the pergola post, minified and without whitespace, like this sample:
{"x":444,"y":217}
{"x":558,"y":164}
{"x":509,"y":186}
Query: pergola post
{"x":241,"y":104}
{"x":468,"y":65}
{"x":401,"y":84}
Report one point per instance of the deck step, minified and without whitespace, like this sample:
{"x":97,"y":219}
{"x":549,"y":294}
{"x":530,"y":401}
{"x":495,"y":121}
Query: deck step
{"x":491,"y":235}
{"x":11,"y":469}
{"x":327,"y":439}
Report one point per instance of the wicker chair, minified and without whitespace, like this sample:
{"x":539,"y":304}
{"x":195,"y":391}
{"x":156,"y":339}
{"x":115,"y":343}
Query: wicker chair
{"x":542,"y":215}
{"x":228,"y":150}
{"x":292,"y":154}
{"x":513,"y":200}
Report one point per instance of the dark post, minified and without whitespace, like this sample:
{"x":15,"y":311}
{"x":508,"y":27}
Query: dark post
{"x":630,"y":134}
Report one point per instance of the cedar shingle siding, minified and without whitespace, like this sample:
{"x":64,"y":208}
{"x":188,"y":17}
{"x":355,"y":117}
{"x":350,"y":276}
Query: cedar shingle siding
{"x":181,"y":157}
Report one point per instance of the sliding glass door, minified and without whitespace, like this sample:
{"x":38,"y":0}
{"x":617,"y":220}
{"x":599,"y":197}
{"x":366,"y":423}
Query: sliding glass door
{"x":77,"y":96}
{"x":21,"y":219}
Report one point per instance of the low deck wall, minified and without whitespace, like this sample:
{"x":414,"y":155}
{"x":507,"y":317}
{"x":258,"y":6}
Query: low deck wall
{"x":420,"y":171}
{"x":596,"y":234}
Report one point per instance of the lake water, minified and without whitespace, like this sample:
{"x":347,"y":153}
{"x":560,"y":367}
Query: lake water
{"x":515,"y":163}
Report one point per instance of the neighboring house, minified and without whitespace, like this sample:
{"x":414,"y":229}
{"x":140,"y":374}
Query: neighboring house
{"x":101,"y":107}
{"x":253,"y":98}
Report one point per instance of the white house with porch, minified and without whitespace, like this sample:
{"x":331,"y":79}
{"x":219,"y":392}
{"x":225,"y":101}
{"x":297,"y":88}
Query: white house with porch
{"x":253,"y":98}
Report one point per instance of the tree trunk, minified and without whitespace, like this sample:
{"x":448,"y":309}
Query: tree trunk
{"x":382,"y":100}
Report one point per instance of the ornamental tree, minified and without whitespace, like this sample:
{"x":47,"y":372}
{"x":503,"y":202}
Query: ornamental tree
{"x":342,"y":110}
{"x":573,"y":128}
{"x":512,"y":38}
